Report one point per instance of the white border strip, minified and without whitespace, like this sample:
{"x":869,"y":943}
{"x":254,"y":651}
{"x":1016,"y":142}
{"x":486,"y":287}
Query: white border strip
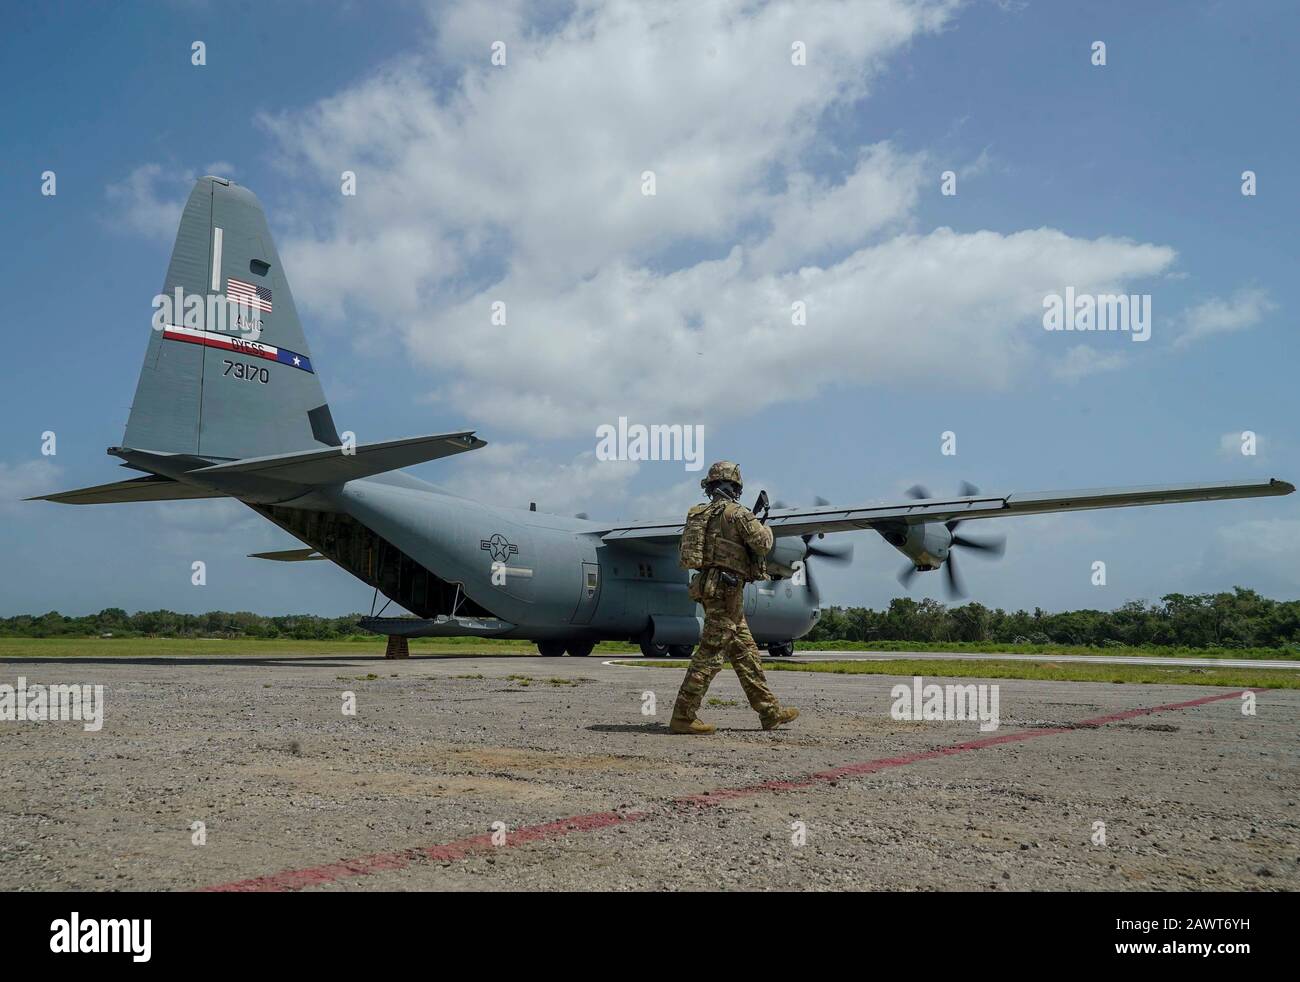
{"x":216,"y":259}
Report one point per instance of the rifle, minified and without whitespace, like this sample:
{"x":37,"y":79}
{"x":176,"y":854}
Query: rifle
{"x":762,"y":506}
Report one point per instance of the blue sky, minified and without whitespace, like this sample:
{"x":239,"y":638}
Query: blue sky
{"x":474,"y":185}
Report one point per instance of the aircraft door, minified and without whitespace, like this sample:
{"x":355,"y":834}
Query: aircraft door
{"x":589,"y":594}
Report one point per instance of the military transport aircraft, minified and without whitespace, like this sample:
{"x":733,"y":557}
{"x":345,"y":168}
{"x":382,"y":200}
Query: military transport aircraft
{"x":240,"y":413}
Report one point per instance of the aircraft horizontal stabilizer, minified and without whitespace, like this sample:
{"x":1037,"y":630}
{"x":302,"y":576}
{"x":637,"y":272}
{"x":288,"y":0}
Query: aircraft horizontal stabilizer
{"x":288,"y":555}
{"x":335,"y":466}
{"x":151,"y":488}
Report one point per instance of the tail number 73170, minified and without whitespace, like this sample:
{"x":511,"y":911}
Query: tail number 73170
{"x":245,"y":371}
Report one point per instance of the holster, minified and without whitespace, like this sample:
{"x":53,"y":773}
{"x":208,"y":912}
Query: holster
{"x":709,"y":582}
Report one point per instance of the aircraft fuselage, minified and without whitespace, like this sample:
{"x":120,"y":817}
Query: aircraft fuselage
{"x":545,"y":576}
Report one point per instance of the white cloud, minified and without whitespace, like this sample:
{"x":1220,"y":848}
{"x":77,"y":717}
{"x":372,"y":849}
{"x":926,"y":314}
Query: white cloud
{"x":514,"y":474}
{"x":1086,"y":359}
{"x":220,"y":168}
{"x":523,"y":185}
{"x":546,"y":154}
{"x":205,"y":529}
{"x":1230,"y":445}
{"x":673,"y":500}
{"x":939,"y":309}
{"x":1243,"y":309}
{"x":1259,"y":551}
{"x":811,"y":216}
{"x":978,"y":167}
{"x":26,"y":480}
{"x":149,"y":201}
{"x":510,"y":475}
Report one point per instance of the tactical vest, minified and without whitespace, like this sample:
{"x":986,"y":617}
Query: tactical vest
{"x":711,"y":539}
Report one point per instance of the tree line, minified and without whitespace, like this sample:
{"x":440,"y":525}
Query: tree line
{"x":169,"y":624}
{"x":1237,"y":619}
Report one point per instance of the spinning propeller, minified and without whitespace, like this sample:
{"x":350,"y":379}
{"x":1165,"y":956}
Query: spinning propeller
{"x":993,"y":546}
{"x":840,"y":554}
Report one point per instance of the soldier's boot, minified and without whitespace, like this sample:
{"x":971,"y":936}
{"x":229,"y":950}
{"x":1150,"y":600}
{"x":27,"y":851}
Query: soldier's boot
{"x":780,"y":716}
{"x":680,"y":724}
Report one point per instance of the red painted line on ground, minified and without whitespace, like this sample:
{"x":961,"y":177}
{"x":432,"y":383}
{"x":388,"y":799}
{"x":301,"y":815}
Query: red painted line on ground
{"x":296,"y":879}
{"x":872,"y":766}
{"x":380,"y":862}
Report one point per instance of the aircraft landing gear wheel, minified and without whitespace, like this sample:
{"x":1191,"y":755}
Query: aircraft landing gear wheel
{"x":551,"y":649}
{"x":580,"y":649}
{"x":783,"y":650}
{"x":681,"y":650}
{"x":652,"y":650}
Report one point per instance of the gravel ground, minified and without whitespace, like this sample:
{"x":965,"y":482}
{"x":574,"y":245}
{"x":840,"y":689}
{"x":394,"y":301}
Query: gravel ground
{"x":259,"y":750}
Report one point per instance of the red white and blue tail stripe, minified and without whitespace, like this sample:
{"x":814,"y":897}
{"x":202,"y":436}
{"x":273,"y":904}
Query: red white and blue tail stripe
{"x":230,"y":342}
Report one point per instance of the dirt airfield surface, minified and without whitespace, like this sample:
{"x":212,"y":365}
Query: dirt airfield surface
{"x":591,"y":793}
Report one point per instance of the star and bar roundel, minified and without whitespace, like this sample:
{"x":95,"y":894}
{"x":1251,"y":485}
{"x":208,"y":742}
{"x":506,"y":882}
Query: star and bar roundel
{"x":499,"y":546}
{"x":228,"y":342}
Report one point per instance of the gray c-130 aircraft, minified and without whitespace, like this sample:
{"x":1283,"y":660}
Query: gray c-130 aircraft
{"x":221,"y":413}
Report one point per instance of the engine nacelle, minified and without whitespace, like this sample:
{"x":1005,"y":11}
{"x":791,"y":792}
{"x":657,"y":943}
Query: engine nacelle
{"x":926,"y":544}
{"x":786,"y":551}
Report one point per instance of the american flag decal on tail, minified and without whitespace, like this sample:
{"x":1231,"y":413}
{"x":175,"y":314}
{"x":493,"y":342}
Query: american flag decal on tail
{"x":248,"y":294}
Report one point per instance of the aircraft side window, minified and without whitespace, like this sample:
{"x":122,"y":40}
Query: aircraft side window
{"x":259,"y":267}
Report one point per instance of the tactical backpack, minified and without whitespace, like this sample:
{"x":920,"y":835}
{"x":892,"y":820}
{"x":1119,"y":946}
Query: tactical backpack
{"x":694,"y":535}
{"x":708,"y":540}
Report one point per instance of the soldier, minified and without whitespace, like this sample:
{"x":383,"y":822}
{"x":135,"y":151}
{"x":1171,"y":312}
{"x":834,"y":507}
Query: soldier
{"x":729,"y":546}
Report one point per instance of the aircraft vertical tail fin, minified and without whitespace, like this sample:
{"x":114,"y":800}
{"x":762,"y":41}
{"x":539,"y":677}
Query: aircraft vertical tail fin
{"x":228,"y":372}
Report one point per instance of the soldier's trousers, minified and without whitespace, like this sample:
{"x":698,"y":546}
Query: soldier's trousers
{"x":725,"y":635}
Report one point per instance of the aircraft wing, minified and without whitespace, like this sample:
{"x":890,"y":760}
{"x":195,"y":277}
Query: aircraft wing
{"x":835,"y":518}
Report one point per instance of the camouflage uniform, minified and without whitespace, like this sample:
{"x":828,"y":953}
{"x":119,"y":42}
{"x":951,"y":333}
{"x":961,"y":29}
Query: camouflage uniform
{"x":745,"y":543}
{"x":726,"y":635}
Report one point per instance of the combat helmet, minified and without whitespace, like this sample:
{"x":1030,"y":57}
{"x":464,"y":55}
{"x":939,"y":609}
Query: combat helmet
{"x":723,"y":470}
